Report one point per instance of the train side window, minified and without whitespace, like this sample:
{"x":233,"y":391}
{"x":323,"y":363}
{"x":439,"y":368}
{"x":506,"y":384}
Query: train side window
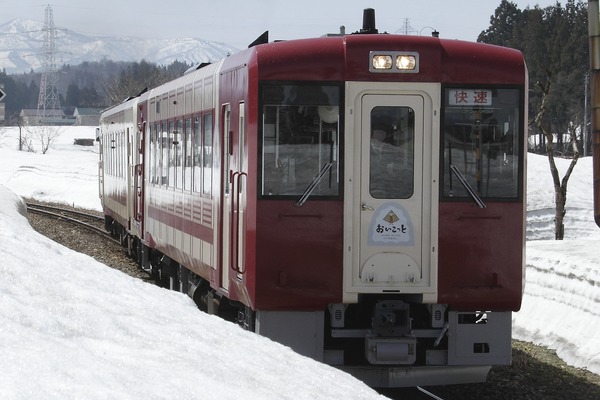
{"x":481,"y":135}
{"x":171,"y":145}
{"x":187,"y":156}
{"x":122,"y":153}
{"x":119,"y":159}
{"x":178,"y":145}
{"x":119,"y":153}
{"x":116,"y":154}
{"x":113,"y":153}
{"x":154,"y":153}
{"x":150,"y":154}
{"x":197,"y":156}
{"x":300,"y":140}
{"x":207,"y":153}
{"x":164,"y":155}
{"x":109,"y":153}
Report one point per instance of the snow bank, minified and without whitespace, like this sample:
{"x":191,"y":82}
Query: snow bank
{"x":73,"y":328}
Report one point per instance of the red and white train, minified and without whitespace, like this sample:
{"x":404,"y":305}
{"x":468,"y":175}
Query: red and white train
{"x":360,"y":198}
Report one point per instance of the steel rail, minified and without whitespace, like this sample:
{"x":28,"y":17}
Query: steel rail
{"x":51,"y":211}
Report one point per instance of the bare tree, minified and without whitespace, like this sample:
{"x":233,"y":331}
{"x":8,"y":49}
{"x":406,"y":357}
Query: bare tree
{"x":132,"y":81}
{"x":560,"y":185}
{"x":119,"y":89}
{"x":20,"y":124}
{"x":40,"y":137}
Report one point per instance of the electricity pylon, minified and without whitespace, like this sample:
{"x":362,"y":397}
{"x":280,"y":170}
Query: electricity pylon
{"x":48,"y":99}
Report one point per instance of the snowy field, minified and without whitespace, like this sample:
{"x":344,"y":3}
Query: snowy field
{"x":73,"y":328}
{"x":562,"y":290}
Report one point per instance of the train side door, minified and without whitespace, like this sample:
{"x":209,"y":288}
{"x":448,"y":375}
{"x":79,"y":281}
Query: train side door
{"x":391,"y":197}
{"x":138,"y":178}
{"x":234,"y":196}
{"x":131,"y":135}
{"x":100,"y":140}
{"x":226,"y":199}
{"x":238,"y":183}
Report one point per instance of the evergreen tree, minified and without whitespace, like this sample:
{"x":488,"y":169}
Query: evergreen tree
{"x":554,"y":43}
{"x":502,"y":25}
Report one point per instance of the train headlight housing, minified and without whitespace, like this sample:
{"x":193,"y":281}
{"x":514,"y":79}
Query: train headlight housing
{"x":394,"y":62}
{"x":382,"y":62}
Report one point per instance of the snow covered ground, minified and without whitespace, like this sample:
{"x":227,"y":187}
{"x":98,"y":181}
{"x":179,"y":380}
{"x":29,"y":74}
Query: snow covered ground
{"x":562,"y":290}
{"x":72,"y":328}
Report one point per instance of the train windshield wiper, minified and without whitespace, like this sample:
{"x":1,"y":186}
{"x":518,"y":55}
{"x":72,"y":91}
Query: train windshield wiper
{"x":464,"y":182}
{"x":314,"y":184}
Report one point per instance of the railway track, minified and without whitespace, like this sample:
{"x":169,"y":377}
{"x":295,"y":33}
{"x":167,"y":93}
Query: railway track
{"x":90,"y":221}
{"x":82,"y":231}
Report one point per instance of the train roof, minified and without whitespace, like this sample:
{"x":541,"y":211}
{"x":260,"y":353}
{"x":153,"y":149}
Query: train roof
{"x":346,"y":58}
{"x":126,"y":105}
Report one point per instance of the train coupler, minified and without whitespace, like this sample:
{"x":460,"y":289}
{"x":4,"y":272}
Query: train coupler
{"x":391,"y":350}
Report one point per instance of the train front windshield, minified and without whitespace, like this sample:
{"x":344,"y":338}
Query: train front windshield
{"x":300,"y":140}
{"x":481,"y":137}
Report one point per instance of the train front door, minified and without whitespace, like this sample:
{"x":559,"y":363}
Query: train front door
{"x":391,"y":199}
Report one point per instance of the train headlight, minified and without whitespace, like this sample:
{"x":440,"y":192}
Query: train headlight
{"x":382,"y":61}
{"x":406,"y":62}
{"x":394,"y":62}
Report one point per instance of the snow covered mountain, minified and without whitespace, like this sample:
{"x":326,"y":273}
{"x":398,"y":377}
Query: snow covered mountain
{"x":21,"y":43}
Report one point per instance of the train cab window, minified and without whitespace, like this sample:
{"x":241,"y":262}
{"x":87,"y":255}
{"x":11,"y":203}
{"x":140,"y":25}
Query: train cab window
{"x":481,"y":136}
{"x":300,"y":140}
{"x":391,"y":172}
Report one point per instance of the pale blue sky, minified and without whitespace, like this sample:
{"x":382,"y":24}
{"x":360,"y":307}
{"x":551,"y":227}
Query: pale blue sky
{"x":239,"y":22}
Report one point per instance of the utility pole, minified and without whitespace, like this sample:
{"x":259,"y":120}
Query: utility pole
{"x":594,"y":37}
{"x":585,"y":135}
{"x":48,"y":99}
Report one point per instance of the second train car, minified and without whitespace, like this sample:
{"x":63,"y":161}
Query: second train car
{"x":360,"y":198}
